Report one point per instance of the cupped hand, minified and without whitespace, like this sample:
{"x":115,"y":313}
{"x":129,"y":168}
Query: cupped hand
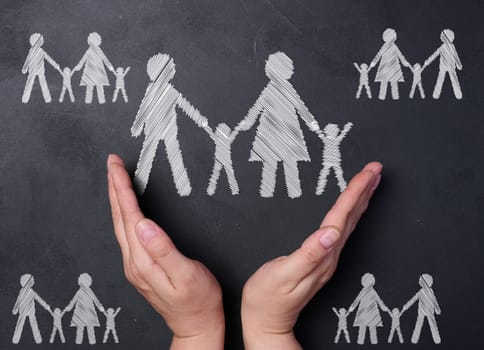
{"x":275,"y":294}
{"x":181,"y":290}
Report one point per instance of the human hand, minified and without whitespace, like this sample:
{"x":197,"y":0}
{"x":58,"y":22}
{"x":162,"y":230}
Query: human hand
{"x":181,"y":290}
{"x":276,"y":293}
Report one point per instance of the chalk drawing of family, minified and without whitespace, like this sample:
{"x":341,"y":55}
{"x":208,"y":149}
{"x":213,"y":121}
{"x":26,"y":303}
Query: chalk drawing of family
{"x":390,"y":61}
{"x":368,"y":305}
{"x":92,"y":64}
{"x":84,"y":318}
{"x":279,"y":138}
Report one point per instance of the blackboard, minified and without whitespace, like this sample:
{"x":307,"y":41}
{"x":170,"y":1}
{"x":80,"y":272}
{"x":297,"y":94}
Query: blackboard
{"x":425,"y":218}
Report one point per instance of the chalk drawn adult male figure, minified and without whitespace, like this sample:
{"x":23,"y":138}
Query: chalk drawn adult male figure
{"x":158,"y":119}
{"x":35,"y":67}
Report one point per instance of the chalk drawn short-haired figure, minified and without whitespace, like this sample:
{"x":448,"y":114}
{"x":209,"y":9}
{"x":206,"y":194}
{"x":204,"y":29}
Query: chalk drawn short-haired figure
{"x":157,"y":117}
{"x":35,"y":67}
{"x":84,"y":304}
{"x":364,"y":81}
{"x":120,"y":73}
{"x":342,"y":315}
{"x":427,"y":308}
{"x":94,"y":74}
{"x":369,"y":304}
{"x":332,"y":138}
{"x":223,"y":138}
{"x":417,"y":70}
{"x":111,"y":324}
{"x":279,"y":138}
{"x":57,"y":325}
{"x":395,"y":314}
{"x":66,"y":84}
{"x":449,"y":61}
{"x":25,"y":308}
{"x":389,"y":68}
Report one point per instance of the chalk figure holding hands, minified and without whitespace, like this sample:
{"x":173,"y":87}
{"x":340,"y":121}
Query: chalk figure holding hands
{"x":57,"y":325}
{"x":363,"y":69}
{"x":395,"y":314}
{"x":111,"y":324}
{"x":332,"y":138}
{"x":120,"y":73}
{"x":417,"y":70}
{"x":342,"y":315}
{"x":223,"y":138}
{"x":66,"y":84}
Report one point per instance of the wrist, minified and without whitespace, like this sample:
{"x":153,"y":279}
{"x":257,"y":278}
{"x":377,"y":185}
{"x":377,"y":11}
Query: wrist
{"x":212,"y":340}
{"x":254,"y":340}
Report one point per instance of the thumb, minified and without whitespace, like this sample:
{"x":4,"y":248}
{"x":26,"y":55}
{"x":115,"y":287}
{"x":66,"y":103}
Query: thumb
{"x":160,"y":248}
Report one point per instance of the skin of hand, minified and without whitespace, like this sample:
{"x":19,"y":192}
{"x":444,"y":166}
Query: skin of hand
{"x":276,"y":293}
{"x":181,"y":290}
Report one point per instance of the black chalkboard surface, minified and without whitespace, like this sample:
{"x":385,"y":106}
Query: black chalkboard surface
{"x":425,"y":218}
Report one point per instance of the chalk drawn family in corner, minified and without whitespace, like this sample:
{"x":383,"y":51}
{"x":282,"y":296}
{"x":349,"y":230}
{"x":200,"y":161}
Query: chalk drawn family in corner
{"x":93,"y":65}
{"x":84,"y":305}
{"x":368,"y":305}
{"x":390,"y":61}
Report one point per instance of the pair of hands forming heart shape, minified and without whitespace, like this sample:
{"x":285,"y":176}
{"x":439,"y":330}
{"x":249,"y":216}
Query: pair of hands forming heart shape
{"x":186,"y":294}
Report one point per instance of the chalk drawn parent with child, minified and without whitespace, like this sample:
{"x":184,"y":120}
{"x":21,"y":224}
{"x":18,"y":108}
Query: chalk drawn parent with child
{"x":182,"y":289}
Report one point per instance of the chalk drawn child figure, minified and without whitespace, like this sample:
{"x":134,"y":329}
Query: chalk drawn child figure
{"x":332,"y":138}
{"x":364,"y":80}
{"x":110,"y":324}
{"x":223,"y":138}
{"x":417,"y":80}
{"x":395,"y":314}
{"x":25,"y":308}
{"x":66,"y":84}
{"x":157,"y":118}
{"x":342,"y":315}
{"x":120,"y":73}
{"x":57,"y":325}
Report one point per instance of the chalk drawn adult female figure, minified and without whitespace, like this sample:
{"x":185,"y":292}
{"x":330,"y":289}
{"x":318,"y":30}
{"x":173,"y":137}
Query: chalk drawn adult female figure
{"x":369,"y":304}
{"x":389,"y":69}
{"x":279,"y":138}
{"x":25,"y":308}
{"x":428,"y":307}
{"x":94,"y":75}
{"x":85,"y":303}
{"x":157,"y":117}
{"x":35,"y":67}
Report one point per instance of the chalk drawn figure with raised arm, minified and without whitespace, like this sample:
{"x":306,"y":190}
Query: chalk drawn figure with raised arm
{"x":25,"y":308}
{"x":364,"y":81}
{"x":94,"y":74}
{"x":342,"y":315}
{"x":66,"y":84}
{"x":57,"y":325}
{"x":223,"y":138}
{"x":332,"y":138}
{"x":428,"y":307}
{"x":279,"y":138}
{"x":389,"y":60}
{"x":449,"y":62}
{"x":120,"y":73}
{"x":395,"y":314}
{"x":417,"y":70}
{"x":369,"y":304}
{"x":84,"y":304}
{"x":111,"y":324}
{"x":157,"y":117}
{"x":34,"y":66}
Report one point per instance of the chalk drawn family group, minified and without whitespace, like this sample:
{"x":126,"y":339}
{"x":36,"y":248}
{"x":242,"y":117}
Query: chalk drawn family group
{"x":84,"y":318}
{"x":390,"y":59}
{"x":93,"y":76}
{"x":368,"y":305}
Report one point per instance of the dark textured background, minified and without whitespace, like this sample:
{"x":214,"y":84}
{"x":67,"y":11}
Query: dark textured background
{"x":426,"y":217}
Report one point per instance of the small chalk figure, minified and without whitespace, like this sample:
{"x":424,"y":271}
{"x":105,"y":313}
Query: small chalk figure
{"x":417,"y":80}
{"x":395,"y":314}
{"x":120,"y":73}
{"x":66,"y":84}
{"x":223,"y":138}
{"x":342,"y":324}
{"x":110,"y":324}
{"x":57,"y":325}
{"x":332,"y":156}
{"x":364,"y":80}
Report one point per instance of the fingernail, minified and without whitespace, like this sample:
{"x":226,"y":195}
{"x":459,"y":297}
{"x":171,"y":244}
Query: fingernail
{"x":376,"y":182}
{"x":108,"y":161}
{"x":146,"y":230}
{"x":329,"y":238}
